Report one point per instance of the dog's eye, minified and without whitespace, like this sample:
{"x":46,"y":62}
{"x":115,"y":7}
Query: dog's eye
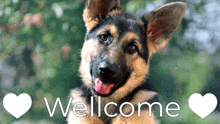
{"x":132,"y":48}
{"x":103,"y":37}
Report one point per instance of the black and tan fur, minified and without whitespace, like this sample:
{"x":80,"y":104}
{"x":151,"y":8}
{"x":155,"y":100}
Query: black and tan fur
{"x":128,"y":44}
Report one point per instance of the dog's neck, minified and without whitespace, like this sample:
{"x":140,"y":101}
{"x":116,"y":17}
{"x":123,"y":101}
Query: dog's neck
{"x":143,"y":93}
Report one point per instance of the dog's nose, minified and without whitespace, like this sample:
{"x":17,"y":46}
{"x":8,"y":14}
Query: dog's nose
{"x":106,"y":69}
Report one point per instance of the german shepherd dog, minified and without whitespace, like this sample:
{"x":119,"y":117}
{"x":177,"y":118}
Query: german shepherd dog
{"x":115,"y":61}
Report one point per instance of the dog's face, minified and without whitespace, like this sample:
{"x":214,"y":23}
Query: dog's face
{"x":118,"y":45}
{"x":121,"y":42}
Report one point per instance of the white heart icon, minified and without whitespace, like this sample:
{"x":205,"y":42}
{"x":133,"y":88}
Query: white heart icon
{"x":17,"y":105}
{"x":202,"y":105}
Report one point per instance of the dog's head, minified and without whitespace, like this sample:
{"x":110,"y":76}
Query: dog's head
{"x":118,"y":45}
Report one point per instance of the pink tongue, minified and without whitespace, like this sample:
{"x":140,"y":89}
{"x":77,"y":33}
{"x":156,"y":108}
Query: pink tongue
{"x":102,"y":88}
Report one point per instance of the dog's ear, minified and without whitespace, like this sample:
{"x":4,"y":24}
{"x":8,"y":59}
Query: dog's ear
{"x":95,"y":10}
{"x":161,"y":23}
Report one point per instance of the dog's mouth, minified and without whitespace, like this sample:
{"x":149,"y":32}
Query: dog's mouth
{"x":105,"y":85}
{"x":102,"y":88}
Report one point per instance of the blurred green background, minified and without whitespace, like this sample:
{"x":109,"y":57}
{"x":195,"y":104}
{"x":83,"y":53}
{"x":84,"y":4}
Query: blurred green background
{"x":40,"y":42}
